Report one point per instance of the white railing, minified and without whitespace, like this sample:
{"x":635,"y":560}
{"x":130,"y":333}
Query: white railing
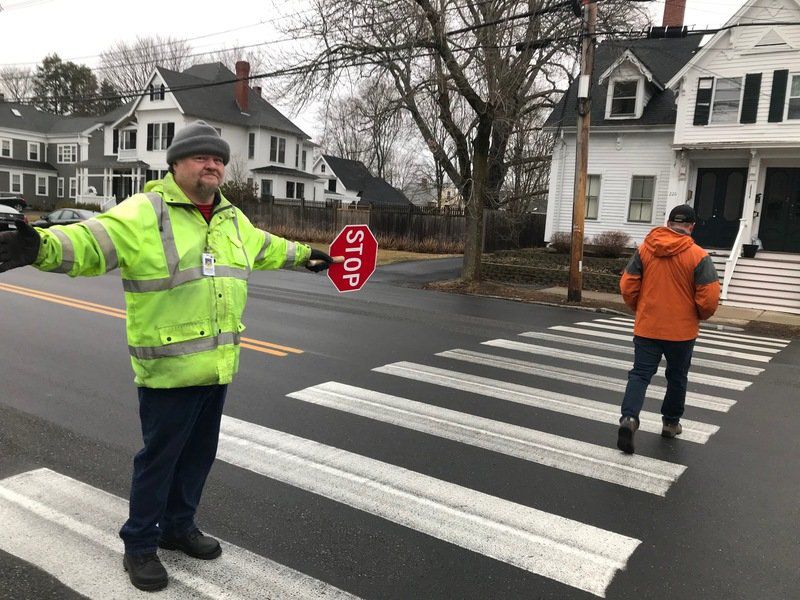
{"x":126,"y":155}
{"x":95,"y":199}
{"x":730,"y":264}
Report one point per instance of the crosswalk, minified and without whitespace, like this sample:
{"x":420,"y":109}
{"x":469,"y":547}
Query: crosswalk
{"x":79,"y":521}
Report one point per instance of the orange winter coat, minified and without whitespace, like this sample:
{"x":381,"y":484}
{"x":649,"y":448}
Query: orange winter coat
{"x":671,"y":284}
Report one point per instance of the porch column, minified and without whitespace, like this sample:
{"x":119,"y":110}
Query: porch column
{"x":678,"y":182}
{"x":749,"y":207}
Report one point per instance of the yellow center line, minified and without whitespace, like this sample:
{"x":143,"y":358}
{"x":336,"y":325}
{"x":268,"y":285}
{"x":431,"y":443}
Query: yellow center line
{"x":250,"y":344}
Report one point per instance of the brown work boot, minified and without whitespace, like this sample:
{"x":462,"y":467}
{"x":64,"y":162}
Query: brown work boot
{"x":670,"y":430}
{"x":627,"y":427}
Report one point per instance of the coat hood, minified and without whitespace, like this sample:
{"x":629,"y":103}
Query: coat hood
{"x":663,"y":241}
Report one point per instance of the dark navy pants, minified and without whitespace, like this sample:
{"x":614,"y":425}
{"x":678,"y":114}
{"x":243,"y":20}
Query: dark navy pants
{"x":180,"y":428}
{"x":647,"y":356}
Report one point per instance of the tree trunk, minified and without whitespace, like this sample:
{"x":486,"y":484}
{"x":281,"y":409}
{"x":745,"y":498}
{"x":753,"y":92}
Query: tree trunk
{"x":475,"y":194}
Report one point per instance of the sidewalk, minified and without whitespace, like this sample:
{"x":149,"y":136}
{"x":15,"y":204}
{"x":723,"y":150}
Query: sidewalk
{"x":726,"y":315}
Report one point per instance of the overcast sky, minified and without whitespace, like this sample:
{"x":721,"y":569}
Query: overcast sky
{"x":79,"y":30}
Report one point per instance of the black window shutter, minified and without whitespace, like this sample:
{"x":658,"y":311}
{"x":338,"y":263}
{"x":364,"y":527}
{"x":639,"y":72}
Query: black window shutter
{"x":778,"y":98}
{"x":752,"y":91}
{"x":170,"y":133}
{"x":150,"y":136}
{"x":116,"y":141}
{"x":702,"y":106}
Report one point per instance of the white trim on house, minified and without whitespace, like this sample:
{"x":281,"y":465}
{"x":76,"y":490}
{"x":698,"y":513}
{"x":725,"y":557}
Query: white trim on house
{"x":714,"y":91}
{"x":61,"y":154}
{"x":18,"y":189}
{"x":60,"y":187}
{"x":42,"y":179}
{"x":638,"y":106}
{"x":37,"y":148}
{"x":10,"y":147}
{"x":629,"y":56}
{"x":789,"y":97}
{"x":73,"y":187}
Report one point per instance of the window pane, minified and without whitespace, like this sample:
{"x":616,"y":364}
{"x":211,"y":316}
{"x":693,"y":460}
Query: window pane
{"x":625,"y":89}
{"x":726,"y":101}
{"x":795,"y":86}
{"x":794,"y":109}
{"x":734,"y":196}
{"x":623,"y":106}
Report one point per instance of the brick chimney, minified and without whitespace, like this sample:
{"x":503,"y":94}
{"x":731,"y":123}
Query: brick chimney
{"x":674,"y":11}
{"x":242,"y":87}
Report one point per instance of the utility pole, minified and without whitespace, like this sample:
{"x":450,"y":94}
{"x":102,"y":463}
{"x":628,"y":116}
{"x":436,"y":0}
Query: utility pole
{"x":582,"y":150}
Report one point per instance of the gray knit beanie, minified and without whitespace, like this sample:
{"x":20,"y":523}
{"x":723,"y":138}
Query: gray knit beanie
{"x":198,"y":138}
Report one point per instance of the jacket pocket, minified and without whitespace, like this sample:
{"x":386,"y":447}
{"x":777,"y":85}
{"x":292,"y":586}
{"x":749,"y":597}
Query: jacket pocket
{"x":173,"y":334}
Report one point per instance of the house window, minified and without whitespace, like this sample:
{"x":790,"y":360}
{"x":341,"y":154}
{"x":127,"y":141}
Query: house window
{"x":73,"y":187}
{"x":60,"y":187}
{"x":623,"y":98}
{"x":266,"y":188}
{"x":290,"y":189}
{"x":727,"y":95}
{"x":592,"y":197}
{"x":154,"y":174}
{"x":16,"y":183}
{"x":793,"y":108}
{"x":297,"y":156}
{"x":157,"y":92}
{"x":5,"y":148}
{"x":300,"y":190}
{"x":41,"y":185}
{"x":251,"y":145}
{"x":277,"y":149}
{"x":33,"y":151}
{"x":159,"y":135}
{"x":127,"y":139}
{"x":642,"y":192}
{"x":322,"y":167}
{"x":305,"y":161}
{"x":67,"y":153}
{"x":331,"y":185}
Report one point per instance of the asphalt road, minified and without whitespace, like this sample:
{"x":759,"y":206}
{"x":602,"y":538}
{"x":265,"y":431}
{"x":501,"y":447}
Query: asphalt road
{"x":728,"y":527}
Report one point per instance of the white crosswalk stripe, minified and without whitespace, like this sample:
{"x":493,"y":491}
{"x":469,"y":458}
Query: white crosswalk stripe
{"x":600,"y":324}
{"x":720,"y":333}
{"x":697,"y":348}
{"x":706,"y":401}
{"x":612,"y":363}
{"x":561,"y":549}
{"x":607,"y":464}
{"x":68,"y":528}
{"x":693,"y":431}
{"x":619,"y":348}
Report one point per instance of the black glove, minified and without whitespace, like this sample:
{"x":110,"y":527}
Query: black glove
{"x":318,"y":261}
{"x":18,"y":248}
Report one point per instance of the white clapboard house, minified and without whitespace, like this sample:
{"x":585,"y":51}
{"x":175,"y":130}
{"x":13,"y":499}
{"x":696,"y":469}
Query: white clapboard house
{"x":715,"y":125}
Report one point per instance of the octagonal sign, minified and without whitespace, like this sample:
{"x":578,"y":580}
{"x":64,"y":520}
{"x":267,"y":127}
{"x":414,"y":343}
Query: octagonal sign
{"x":360,"y":251}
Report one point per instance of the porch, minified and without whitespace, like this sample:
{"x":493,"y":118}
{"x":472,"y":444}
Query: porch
{"x":748,"y":197}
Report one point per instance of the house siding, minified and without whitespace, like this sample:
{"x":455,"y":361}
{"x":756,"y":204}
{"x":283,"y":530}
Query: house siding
{"x":616,"y":158}
{"x":733,"y":56}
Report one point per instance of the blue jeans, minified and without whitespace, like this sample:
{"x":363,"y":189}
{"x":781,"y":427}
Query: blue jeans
{"x":647,"y":356}
{"x":180,"y":428}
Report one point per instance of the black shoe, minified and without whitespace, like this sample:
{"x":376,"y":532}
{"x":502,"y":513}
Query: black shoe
{"x":670,"y":430}
{"x":146,"y":571}
{"x":194,"y":543}
{"x":627,"y":427}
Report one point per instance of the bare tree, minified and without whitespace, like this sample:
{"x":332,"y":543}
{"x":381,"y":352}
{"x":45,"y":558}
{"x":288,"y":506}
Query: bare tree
{"x":460,"y":55}
{"x":128,"y":66}
{"x":17,"y":83}
{"x":255,"y":56}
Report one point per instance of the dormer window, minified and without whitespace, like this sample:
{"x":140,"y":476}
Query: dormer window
{"x":624,"y":99}
{"x":156,"y":92}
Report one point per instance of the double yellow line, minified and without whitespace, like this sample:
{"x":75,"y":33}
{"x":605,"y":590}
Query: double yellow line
{"x":250,"y":344}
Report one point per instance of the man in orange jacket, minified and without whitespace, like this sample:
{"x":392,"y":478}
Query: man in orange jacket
{"x":671,"y":284}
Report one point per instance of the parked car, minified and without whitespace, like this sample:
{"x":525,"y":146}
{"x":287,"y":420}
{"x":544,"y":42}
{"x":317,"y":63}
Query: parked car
{"x":65,"y":216}
{"x":13,"y":200}
{"x":8,"y":216}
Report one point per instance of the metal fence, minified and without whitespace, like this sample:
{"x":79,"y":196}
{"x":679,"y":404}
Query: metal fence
{"x":502,"y":230}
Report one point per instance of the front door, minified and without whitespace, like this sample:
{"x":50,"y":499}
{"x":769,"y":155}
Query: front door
{"x":718,"y":203}
{"x":779,"y":229}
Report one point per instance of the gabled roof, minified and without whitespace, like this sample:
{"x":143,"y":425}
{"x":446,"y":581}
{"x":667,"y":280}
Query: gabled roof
{"x":736,"y":18}
{"x":356,"y":177}
{"x":218,"y":103}
{"x":630,"y":57}
{"x":31,"y":165}
{"x":662,"y":57}
{"x":35,"y":120}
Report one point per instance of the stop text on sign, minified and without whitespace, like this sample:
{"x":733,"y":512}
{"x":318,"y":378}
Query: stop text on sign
{"x":358,"y":246}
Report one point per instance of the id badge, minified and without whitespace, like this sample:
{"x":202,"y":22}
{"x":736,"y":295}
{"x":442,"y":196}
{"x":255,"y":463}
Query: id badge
{"x":208,"y":264}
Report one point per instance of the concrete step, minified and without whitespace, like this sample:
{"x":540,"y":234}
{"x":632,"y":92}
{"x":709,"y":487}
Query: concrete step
{"x":763,"y":302}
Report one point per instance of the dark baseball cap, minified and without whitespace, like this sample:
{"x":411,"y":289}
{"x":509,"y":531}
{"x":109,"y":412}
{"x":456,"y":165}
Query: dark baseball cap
{"x":683,"y":213}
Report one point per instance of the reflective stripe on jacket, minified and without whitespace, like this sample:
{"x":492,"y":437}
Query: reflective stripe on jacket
{"x":183,"y":327}
{"x":672,"y":284}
